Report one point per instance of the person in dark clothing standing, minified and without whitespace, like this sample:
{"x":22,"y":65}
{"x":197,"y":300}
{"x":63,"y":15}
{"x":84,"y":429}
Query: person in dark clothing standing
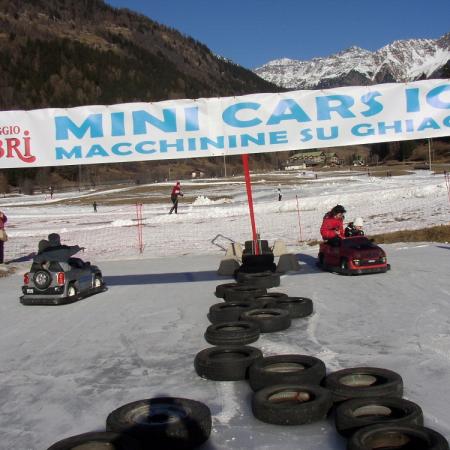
{"x":94,"y":205}
{"x":176,"y":192}
{"x":3,"y":237}
{"x":280,"y":195}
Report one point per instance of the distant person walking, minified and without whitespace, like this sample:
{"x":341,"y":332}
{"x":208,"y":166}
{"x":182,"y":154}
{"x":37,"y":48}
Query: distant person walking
{"x":176,"y":192}
{"x":94,"y":205}
{"x":3,"y":236}
{"x":280,"y":195}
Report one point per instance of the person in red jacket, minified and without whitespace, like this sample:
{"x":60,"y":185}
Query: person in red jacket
{"x":332,"y":228}
{"x":176,"y":192}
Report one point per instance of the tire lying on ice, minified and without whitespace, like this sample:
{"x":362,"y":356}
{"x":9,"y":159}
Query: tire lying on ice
{"x":286,"y":369}
{"x":228,"y":311}
{"x":361,"y":382}
{"x":297,"y":306}
{"x":232,"y":333}
{"x":262,"y":279}
{"x":291,"y":404}
{"x":268,"y":319}
{"x":97,"y":440}
{"x":221,"y":288}
{"x":165,"y":422}
{"x":226,"y":363}
{"x":397,"y":437}
{"x":243,"y":292}
{"x":271,"y":296}
{"x":357,"y":413}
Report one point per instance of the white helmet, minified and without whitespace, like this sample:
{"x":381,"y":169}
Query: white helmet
{"x":358,"y":222}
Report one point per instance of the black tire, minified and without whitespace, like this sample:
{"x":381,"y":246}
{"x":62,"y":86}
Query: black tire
{"x":363,"y":382}
{"x":116,"y":441}
{"x":268,"y":319}
{"x":297,"y":306}
{"x":226,"y":363}
{"x":232,"y":333}
{"x":271,"y":296}
{"x":98,"y":282}
{"x":291,"y":404}
{"x":42,"y":279}
{"x":261,"y":279}
{"x":243,"y":292}
{"x":357,"y":413}
{"x":397,"y":437}
{"x":165,"y":422}
{"x":221,"y":288}
{"x":286,"y":369}
{"x":228,"y":311}
{"x":72,"y":291}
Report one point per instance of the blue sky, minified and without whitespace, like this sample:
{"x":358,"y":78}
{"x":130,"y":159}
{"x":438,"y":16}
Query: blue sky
{"x":253,"y":32}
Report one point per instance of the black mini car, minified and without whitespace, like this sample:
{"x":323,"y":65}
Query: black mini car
{"x":56,"y":278}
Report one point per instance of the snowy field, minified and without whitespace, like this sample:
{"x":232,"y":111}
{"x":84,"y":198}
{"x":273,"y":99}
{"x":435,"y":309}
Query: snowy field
{"x":213,"y":212}
{"x":63,"y":369}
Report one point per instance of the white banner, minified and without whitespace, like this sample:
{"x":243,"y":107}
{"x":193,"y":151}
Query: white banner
{"x":255,"y":123}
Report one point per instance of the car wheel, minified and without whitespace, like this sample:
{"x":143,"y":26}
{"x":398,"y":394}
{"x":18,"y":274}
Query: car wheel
{"x":286,"y":369}
{"x":164,"y":422}
{"x":98,"y":281}
{"x":357,"y":413}
{"x":397,"y":437}
{"x":97,"y":440}
{"x":42,"y":279}
{"x":363,"y":382}
{"x":291,"y":404}
{"x":72,"y":290}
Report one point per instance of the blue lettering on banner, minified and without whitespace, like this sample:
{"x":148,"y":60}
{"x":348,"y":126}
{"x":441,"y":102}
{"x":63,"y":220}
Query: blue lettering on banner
{"x":141,"y":118}
{"x":434,"y":100}
{"x":342,"y":106}
{"x":64,"y":124}
{"x":116,"y":149}
{"x":229,"y":115}
{"x":375,"y":107}
{"x":62,"y":153}
{"x":296,"y":112}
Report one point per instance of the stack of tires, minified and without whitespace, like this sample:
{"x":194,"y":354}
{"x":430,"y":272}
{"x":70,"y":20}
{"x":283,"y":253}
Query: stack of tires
{"x":159,"y":423}
{"x":371,"y":413}
{"x":247,"y":311}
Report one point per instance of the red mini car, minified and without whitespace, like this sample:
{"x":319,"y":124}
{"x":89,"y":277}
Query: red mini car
{"x":353,"y":256}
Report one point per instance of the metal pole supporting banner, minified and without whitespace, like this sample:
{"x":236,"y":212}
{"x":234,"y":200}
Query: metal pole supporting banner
{"x":248,"y":186}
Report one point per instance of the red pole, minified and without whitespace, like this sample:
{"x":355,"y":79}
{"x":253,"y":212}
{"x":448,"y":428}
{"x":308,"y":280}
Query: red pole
{"x":248,"y":185}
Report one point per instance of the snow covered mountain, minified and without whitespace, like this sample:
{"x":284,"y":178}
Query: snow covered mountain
{"x":401,"y":61}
